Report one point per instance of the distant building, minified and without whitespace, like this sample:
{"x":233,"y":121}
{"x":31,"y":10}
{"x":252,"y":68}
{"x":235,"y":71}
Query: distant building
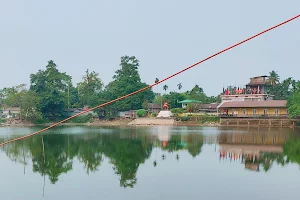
{"x":211,"y":108}
{"x":11,"y":112}
{"x":154,"y":107}
{"x":253,"y":101}
{"x":131,"y":114}
{"x":271,"y":108}
{"x":255,"y":90}
{"x":74,"y":111}
{"x":185,"y":103}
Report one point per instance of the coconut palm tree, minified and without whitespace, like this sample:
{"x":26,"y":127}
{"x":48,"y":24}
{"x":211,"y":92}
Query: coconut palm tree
{"x":179,"y":85}
{"x":273,"y":78}
{"x":165,"y":88}
{"x":156,"y":81}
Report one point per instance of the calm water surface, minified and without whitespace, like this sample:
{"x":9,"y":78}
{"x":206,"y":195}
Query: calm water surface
{"x":151,"y":163}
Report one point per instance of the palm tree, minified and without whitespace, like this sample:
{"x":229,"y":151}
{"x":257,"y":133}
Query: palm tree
{"x":273,"y":78}
{"x":156,"y":81}
{"x":179,"y":85}
{"x":165,"y":88}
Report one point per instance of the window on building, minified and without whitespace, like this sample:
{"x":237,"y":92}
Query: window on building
{"x":233,"y":111}
{"x":244,"y":111}
{"x":254,"y":111}
{"x":265,"y":111}
{"x":276,"y":111}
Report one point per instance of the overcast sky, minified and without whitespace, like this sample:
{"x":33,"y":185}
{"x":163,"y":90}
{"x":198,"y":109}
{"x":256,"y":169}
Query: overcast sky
{"x":165,"y":35}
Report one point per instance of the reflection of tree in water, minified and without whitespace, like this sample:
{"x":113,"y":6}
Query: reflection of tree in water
{"x":56,"y":158}
{"x":266,"y":160}
{"x":126,"y":155}
{"x":194,"y":144}
{"x":90,"y":154}
{"x":292,"y":150}
{"x":125,"y":151}
{"x":174,"y":143}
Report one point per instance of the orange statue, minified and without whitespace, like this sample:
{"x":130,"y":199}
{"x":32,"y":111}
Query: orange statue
{"x":166,"y":106}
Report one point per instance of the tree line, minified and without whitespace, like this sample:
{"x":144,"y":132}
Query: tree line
{"x":51,"y":92}
{"x":287,"y":89}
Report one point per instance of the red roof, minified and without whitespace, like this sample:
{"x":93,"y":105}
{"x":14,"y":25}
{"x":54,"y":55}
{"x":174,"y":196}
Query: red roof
{"x":255,"y":104}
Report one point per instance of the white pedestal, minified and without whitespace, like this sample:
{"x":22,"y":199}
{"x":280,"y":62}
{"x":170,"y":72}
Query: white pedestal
{"x":165,"y":113}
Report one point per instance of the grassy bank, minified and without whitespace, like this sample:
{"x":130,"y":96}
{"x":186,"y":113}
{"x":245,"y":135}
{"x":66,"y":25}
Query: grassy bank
{"x":200,"y":119}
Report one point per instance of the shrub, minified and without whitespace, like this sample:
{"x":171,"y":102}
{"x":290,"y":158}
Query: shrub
{"x":2,"y":120}
{"x":177,"y":110}
{"x":154,"y":114}
{"x":141,"y":113}
{"x":83,"y":119}
{"x":185,"y":119}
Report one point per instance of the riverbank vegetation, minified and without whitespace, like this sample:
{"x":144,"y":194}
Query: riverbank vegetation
{"x":51,"y":94}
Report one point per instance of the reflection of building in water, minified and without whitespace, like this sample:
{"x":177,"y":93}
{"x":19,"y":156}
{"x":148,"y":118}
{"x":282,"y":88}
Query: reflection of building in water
{"x":252,"y":166}
{"x":250,"y":155}
{"x":250,"y":148}
{"x":253,"y":138}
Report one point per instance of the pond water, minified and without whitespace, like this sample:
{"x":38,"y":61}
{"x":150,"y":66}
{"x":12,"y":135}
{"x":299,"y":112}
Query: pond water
{"x":150,"y":163}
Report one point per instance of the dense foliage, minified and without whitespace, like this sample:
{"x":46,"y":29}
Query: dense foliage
{"x":288,"y":89}
{"x":51,"y":93}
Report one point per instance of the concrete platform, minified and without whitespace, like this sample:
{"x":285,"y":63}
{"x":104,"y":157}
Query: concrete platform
{"x":152,"y":121}
{"x":165,"y":113}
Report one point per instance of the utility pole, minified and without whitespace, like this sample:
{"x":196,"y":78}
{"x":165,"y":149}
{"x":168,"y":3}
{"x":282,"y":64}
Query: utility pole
{"x":68,"y":97}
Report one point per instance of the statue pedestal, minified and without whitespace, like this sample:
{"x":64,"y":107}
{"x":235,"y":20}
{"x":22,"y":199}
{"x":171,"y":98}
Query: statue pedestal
{"x":165,"y":113}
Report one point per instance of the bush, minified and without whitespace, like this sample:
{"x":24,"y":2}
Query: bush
{"x":83,"y":119}
{"x":154,"y":114}
{"x":177,"y":110}
{"x":2,"y":120}
{"x":141,"y":113}
{"x":185,"y":119}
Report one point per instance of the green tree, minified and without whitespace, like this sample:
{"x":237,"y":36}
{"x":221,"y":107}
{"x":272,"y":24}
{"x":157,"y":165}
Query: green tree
{"x":293,"y":101}
{"x":283,"y":90}
{"x":30,"y":110}
{"x":51,"y":86}
{"x":2,"y":97}
{"x":172,"y":98}
{"x":125,"y":81}
{"x":90,"y":88}
{"x":179,"y":85}
{"x":12,"y":96}
{"x":273,"y":78}
{"x":165,"y":88}
{"x":156,"y":81}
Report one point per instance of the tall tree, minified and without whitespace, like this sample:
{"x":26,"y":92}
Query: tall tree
{"x":51,"y":86}
{"x":165,"y":88}
{"x":12,"y":97}
{"x":90,"y":88}
{"x":30,"y":110}
{"x":273,"y":78}
{"x":156,"y":81}
{"x":125,"y":81}
{"x":179,"y":85}
{"x":282,"y":90}
{"x":293,"y":101}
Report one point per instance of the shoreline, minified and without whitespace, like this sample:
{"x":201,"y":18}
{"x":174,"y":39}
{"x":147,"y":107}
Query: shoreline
{"x":115,"y":123}
{"x":128,"y":122}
